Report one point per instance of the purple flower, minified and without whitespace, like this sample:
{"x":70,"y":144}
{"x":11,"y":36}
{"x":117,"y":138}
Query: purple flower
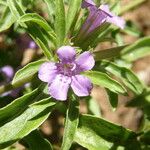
{"x":24,"y":42}
{"x":7,"y":72}
{"x":32,"y":45}
{"x":98,"y":16}
{"x":60,"y":76}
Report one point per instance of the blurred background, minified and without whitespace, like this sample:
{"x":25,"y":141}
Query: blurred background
{"x":17,"y":49}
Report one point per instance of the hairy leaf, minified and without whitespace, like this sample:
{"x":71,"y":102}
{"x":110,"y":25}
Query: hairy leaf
{"x":7,"y":20}
{"x":113,"y":98}
{"x":102,"y":79}
{"x":108,"y":53}
{"x":28,"y":121}
{"x":33,"y":17}
{"x":73,"y":9}
{"x":95,"y":133}
{"x":127,"y":76}
{"x":137,"y":50}
{"x":28,"y":71}
{"x":35,"y":141}
{"x":17,"y":106}
{"x":71,"y":123}
{"x":60,"y":25}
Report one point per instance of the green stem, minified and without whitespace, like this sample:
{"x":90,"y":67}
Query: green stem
{"x":131,"y":5}
{"x":10,"y":86}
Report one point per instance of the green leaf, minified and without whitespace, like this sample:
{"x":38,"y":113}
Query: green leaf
{"x":39,"y":36}
{"x":93,"y":107}
{"x":71,"y":123}
{"x":137,"y":50}
{"x":28,"y":121}
{"x":74,"y":6}
{"x":35,"y":141}
{"x":132,"y":29}
{"x":17,"y":106}
{"x":7,"y":20}
{"x":41,"y":39}
{"x":25,"y":3}
{"x":28,"y":71}
{"x":145,"y":138}
{"x":84,"y":41}
{"x":33,"y":17}
{"x":108,"y":53}
{"x":113,"y":99}
{"x":15,"y":8}
{"x":93,"y":36}
{"x":60,"y":25}
{"x":51,"y":8}
{"x":3,"y":2}
{"x":102,"y":79}
{"x":126,"y":75}
{"x":98,"y":134}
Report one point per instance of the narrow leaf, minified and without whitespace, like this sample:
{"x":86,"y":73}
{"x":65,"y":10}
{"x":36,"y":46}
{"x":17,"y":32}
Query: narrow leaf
{"x":33,"y":17}
{"x":28,"y":121}
{"x":93,"y":107}
{"x":102,"y":79}
{"x":95,"y":133}
{"x":74,"y":6}
{"x":60,"y":27}
{"x":7,"y":20}
{"x":113,"y":99}
{"x":35,"y":141}
{"x":28,"y":71}
{"x":17,"y":106}
{"x":41,"y":39}
{"x":137,"y":50}
{"x":127,"y":76}
{"x":108,"y":53}
{"x":15,"y":8}
{"x":71,"y":123}
{"x":36,"y":33}
{"x":51,"y":8}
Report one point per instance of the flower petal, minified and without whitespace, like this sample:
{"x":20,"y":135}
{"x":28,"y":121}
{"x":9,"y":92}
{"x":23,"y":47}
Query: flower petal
{"x":58,"y":89}
{"x":87,"y":3}
{"x":118,"y":21}
{"x":112,"y":18}
{"x":85,"y":61}
{"x":8,"y":71}
{"x":95,"y":18}
{"x":81,"y":85}
{"x":66,"y":53}
{"x":47,"y":72}
{"x":106,"y":9}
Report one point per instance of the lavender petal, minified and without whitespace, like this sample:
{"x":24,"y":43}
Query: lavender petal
{"x":47,"y":72}
{"x":66,"y":53}
{"x":112,"y":18}
{"x":85,"y":61}
{"x":87,"y":3}
{"x":81,"y":85}
{"x":118,"y":21}
{"x":58,"y":89}
{"x":8,"y":71}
